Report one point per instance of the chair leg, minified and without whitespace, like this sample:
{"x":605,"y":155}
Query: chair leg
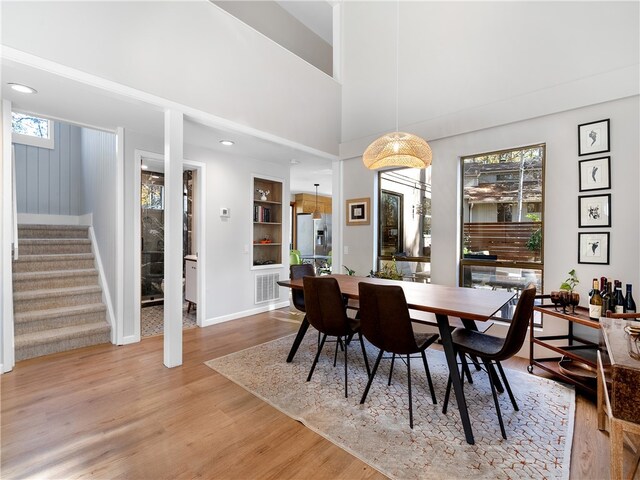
{"x":346,"y":394}
{"x":508,"y":387}
{"x":465,"y":367}
{"x":315,"y":360}
{"x":364,"y":354}
{"x":409,"y":385}
{"x":426,"y":369}
{"x":476,"y":363}
{"x":393,"y":359}
{"x":495,"y":398}
{"x":373,"y":374}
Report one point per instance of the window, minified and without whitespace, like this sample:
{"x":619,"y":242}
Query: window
{"x":404,"y":220}
{"x":502,"y":224}
{"x":32,"y":130}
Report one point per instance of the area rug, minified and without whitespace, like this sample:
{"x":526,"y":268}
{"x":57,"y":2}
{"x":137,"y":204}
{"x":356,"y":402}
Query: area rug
{"x":539,"y":435}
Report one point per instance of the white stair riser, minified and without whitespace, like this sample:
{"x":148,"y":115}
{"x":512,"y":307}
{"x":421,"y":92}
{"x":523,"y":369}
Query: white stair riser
{"x":52,"y":264}
{"x":31,"y":304}
{"x":79,"y":280}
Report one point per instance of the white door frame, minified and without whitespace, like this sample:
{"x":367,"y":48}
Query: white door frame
{"x":200,"y":202}
{"x":200,"y":235}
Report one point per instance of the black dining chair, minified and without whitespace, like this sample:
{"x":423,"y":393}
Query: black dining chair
{"x":385,"y":322}
{"x":296,"y":272}
{"x":492,"y":350}
{"x":326,"y":312}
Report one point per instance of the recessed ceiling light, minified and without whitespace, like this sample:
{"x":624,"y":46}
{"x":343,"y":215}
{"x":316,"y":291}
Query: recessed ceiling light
{"x":294,"y":161}
{"x":228,"y":143}
{"x":22,"y":88}
{"x":144,"y":167}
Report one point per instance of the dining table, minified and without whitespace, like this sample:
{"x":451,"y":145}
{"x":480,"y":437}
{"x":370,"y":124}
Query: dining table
{"x":468,"y":304}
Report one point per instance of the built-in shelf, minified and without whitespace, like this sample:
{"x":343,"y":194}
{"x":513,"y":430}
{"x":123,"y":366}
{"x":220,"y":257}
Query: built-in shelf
{"x":267,"y":223}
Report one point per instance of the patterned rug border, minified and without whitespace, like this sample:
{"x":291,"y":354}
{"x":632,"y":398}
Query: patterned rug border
{"x":378,"y":468}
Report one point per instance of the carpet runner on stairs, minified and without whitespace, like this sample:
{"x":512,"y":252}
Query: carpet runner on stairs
{"x":57,"y":297}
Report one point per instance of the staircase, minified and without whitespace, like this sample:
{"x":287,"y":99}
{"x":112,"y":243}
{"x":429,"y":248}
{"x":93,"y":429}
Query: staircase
{"x":57,"y":299}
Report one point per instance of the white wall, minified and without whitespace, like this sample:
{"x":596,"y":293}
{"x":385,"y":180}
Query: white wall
{"x":275,"y":22}
{"x":464,"y":66}
{"x":192,"y":53}
{"x":559,"y":132}
{"x":228,"y":276}
{"x":98,"y":197}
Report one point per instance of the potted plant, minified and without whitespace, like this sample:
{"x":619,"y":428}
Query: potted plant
{"x":567,"y":295}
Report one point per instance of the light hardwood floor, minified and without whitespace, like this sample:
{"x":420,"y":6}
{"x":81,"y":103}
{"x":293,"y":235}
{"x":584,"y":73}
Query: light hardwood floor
{"x":117,"y":412}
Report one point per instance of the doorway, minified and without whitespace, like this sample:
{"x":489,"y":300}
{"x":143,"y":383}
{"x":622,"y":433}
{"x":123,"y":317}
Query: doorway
{"x":151,"y":226}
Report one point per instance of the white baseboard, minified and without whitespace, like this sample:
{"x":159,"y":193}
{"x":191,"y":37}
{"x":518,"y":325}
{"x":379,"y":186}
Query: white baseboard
{"x":129,"y":339}
{"x":253,"y":311}
{"x":42,"y":219}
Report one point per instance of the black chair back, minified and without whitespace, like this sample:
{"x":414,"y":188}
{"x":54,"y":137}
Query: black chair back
{"x":296,"y":272}
{"x":519,"y":324}
{"x":384,"y":318}
{"x":324,"y":306}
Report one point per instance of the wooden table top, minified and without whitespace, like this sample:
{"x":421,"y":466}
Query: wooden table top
{"x":470,"y":303}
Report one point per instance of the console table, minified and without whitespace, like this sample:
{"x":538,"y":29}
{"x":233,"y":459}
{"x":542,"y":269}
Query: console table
{"x":579,"y":355}
{"x":618,"y":392}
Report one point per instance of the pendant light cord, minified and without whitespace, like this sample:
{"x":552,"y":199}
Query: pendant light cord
{"x":397,"y":58}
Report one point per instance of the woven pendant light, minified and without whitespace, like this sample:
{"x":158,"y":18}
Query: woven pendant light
{"x":397,"y":149}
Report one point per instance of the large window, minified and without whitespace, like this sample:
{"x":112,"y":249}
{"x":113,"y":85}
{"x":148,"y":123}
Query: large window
{"x":502,"y":223}
{"x":404,"y":239}
{"x":32,"y":130}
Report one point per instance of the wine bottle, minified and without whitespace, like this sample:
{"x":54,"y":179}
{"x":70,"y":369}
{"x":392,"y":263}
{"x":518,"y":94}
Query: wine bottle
{"x":592,"y":291}
{"x":619,"y":299}
{"x":606,"y":298}
{"x":629,"y":303}
{"x":603,"y":285}
{"x":595,"y":302}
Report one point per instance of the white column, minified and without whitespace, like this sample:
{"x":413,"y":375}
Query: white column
{"x":337,"y":218}
{"x":7,"y":358}
{"x":173,"y":146}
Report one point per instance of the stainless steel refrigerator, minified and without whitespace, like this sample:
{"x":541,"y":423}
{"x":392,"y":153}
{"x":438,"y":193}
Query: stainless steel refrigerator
{"x":313,"y":236}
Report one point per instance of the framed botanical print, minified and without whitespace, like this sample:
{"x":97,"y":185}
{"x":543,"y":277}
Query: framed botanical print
{"x":358,"y":211}
{"x":593,"y":247}
{"x":594,"y":211}
{"x":595,"y":174}
{"x":593,"y":137}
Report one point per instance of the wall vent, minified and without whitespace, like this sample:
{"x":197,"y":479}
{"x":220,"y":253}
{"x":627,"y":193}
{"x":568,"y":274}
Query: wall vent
{"x":266,"y":287}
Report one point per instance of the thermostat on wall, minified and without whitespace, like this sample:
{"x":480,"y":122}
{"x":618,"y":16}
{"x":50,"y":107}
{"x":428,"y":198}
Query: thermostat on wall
{"x":224,"y":212}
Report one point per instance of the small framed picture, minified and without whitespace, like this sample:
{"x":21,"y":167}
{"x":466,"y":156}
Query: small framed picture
{"x":595,"y":174}
{"x":593,"y":137}
{"x":593,"y":248}
{"x":358,"y":211}
{"x":594,"y":211}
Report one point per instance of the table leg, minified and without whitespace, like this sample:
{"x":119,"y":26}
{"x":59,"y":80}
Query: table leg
{"x":445,"y":336}
{"x":296,"y":343}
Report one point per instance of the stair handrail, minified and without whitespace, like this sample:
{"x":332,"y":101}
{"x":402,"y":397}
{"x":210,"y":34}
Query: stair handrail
{"x":14,"y":205}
